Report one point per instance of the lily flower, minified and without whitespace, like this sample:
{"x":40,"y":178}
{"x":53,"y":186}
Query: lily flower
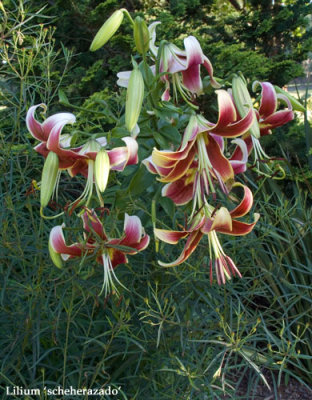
{"x":199,"y":160}
{"x":109,"y":252}
{"x":119,"y":158}
{"x":174,"y":61}
{"x":209,"y":221}
{"x":80,"y":160}
{"x":49,"y":135}
{"x":268,"y":117}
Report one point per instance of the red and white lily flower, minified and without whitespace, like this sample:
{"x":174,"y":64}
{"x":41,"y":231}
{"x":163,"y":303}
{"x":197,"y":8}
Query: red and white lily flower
{"x":268,"y":117}
{"x":199,"y":161}
{"x":80,"y":160}
{"x":49,"y":134}
{"x":208,"y":221}
{"x":109,"y":252}
{"x":187,"y":62}
{"x":119,"y":158}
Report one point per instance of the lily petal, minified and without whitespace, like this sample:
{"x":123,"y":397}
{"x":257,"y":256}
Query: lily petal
{"x":133,"y":230}
{"x":245,"y":205}
{"x":171,"y":237}
{"x":92,"y":223}
{"x":57,"y":242}
{"x":189,"y":248}
{"x":221,"y":220}
{"x":239,"y":165}
{"x":240,"y":228}
{"x":268,"y":104}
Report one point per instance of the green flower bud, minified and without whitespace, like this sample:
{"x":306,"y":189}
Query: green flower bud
{"x":296,"y":105}
{"x":102,"y":167}
{"x":91,"y":146}
{"x":135,"y":94}
{"x":107,"y":30}
{"x":48,"y":178}
{"x":55,"y":257}
{"x":243,"y":103}
{"x":141,"y":35}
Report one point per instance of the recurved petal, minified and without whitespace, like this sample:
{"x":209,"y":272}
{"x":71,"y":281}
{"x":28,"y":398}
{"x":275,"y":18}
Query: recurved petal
{"x":237,"y":128}
{"x":189,"y":248}
{"x":194,"y":53}
{"x":245,"y":205}
{"x":150,"y":165}
{"x":53,"y":143}
{"x":56,"y":119}
{"x":180,"y":191}
{"x":219,"y":163}
{"x":192,"y":80}
{"x":132,"y":146}
{"x":117,"y":257}
{"x":208,"y":66}
{"x":221,"y":220}
{"x":123,"y":78}
{"x":239,"y":158}
{"x":277,"y":119}
{"x":144,"y":242}
{"x":133,"y":230}
{"x":171,"y":237}
{"x":268,"y":102}
{"x":91,"y":224}
{"x":120,"y":157}
{"x":152,"y":33}
{"x":33,"y":125}
{"x":180,"y":168}
{"x":167,"y":159}
{"x":58,"y":244}
{"x":240,"y":228}
{"x":227,"y":112}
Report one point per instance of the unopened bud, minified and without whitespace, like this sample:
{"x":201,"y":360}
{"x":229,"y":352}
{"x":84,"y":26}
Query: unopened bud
{"x":296,"y":105}
{"x":243,"y":103}
{"x":135,"y":94}
{"x":141,"y":35}
{"x":102,"y":167}
{"x":107,"y":30}
{"x":91,"y":146}
{"x":48,"y":178}
{"x":55,"y":257}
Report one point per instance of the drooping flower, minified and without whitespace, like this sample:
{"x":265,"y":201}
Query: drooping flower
{"x":268,"y":117}
{"x":50,"y":137}
{"x":209,"y":221}
{"x":174,"y":61}
{"x":109,"y":252}
{"x":80,"y":160}
{"x":119,"y":158}
{"x":199,"y":160}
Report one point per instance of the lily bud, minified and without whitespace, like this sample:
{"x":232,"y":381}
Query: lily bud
{"x":296,"y":105}
{"x":141,"y":35}
{"x":102,"y":167}
{"x":243,"y":103}
{"x":48,"y":178}
{"x":135,"y":94}
{"x":55,"y":257}
{"x":107,"y":30}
